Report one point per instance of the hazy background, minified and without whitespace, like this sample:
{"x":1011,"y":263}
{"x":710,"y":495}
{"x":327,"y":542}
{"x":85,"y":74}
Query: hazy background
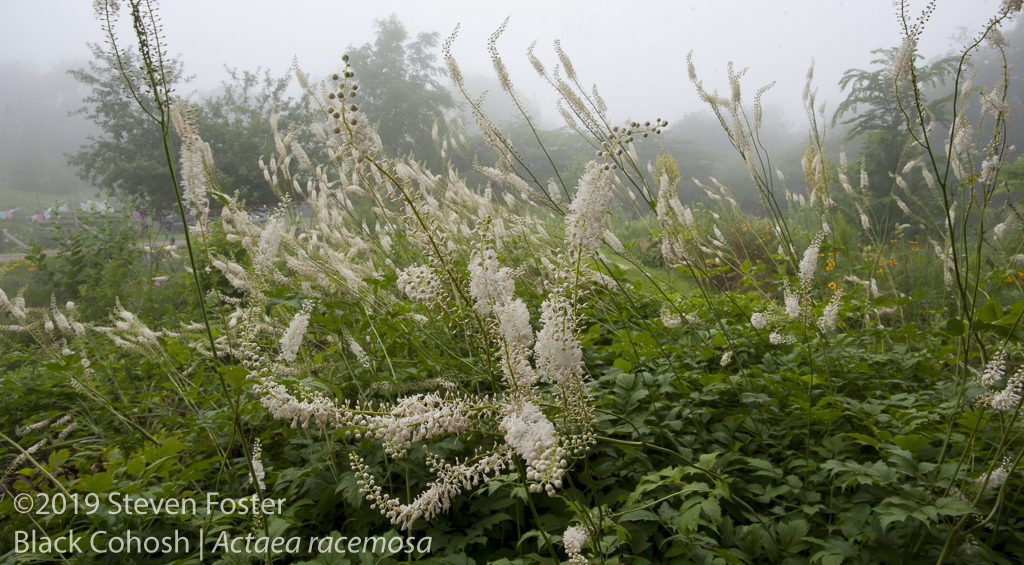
{"x":635,"y":56}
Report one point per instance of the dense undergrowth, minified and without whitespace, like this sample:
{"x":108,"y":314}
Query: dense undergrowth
{"x":520,"y":376}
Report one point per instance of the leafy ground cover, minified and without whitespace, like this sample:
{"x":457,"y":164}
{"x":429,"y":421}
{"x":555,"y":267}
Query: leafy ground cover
{"x":525,"y":370}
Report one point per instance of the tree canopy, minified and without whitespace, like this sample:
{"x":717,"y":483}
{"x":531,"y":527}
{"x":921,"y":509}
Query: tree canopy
{"x":873,"y":111}
{"x":126,"y":159}
{"x":399,"y":87}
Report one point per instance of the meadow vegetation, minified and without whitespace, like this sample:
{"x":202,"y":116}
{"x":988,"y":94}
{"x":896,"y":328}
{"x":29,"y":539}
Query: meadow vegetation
{"x":535,"y":363}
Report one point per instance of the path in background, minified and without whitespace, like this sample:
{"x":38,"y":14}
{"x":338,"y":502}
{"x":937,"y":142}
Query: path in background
{"x":5,"y":257}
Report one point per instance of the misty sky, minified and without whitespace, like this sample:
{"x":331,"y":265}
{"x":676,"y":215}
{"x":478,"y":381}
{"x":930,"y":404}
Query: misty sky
{"x":635,"y":56}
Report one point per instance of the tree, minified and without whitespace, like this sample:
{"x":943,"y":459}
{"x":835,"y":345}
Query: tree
{"x":874,"y":108}
{"x":398,"y":86}
{"x":237,"y":124}
{"x":126,"y":159}
{"x":874,"y":112}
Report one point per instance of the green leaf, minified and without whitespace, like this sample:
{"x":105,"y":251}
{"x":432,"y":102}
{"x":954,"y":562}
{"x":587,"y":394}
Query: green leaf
{"x":623,"y":364}
{"x":791,"y":532}
{"x":713,"y":510}
{"x":99,"y":482}
{"x":57,"y":458}
{"x":949,"y":506}
{"x":953,"y":326}
{"x":990,"y":311}
{"x":689,"y":516}
{"x":865,"y":439}
{"x":911,"y":442}
{"x":641,"y":515}
{"x":707,"y":460}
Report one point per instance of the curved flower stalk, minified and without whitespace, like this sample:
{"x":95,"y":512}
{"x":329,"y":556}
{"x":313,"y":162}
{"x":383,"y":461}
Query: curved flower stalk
{"x":743,"y":131}
{"x":676,"y":224}
{"x":515,"y":415}
{"x":196,"y":166}
{"x":539,"y":413}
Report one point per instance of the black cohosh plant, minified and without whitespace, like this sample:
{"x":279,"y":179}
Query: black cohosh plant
{"x":398,"y":345}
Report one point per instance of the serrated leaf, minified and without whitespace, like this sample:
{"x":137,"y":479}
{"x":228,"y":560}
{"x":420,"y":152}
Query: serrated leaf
{"x":713,"y":510}
{"x":911,"y":442}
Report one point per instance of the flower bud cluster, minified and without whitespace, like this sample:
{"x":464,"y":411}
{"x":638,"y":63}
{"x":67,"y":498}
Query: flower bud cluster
{"x":829,"y":317}
{"x":452,"y":480}
{"x":584,"y":224}
{"x":529,"y":432}
{"x":574,"y":538}
{"x":489,"y":282}
{"x":416,"y":418}
{"x":558,"y":354}
{"x":419,"y":283}
{"x":353,"y":135}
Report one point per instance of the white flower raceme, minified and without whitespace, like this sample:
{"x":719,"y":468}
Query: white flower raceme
{"x":270,"y":240}
{"x":196,"y":161}
{"x":989,"y":168}
{"x":792,"y":301}
{"x":827,"y":321}
{"x":997,"y":477}
{"x":292,"y":338}
{"x":18,"y":308}
{"x":574,"y":538}
{"x":759,"y":320}
{"x":557,"y":353}
{"x":726,"y":358}
{"x":671,"y":319}
{"x":1007,"y":399}
{"x":357,"y":350}
{"x":946,"y":254}
{"x":489,"y":282}
{"x":993,"y":103}
{"x":994,"y":370}
{"x":452,"y":479}
{"x":5,"y":303}
{"x":903,"y":206}
{"x":419,"y":283}
{"x":584,"y":224}
{"x":530,"y":434}
{"x":810,"y":261}
{"x":493,"y":290}
{"x":517,"y":339}
{"x":865,"y":222}
{"x":904,"y":57}
{"x":1000,"y":228}
{"x":257,"y":465}
{"x":614,"y":242}
{"x":514,"y":323}
{"x":673,"y":217}
{"x":416,"y":418}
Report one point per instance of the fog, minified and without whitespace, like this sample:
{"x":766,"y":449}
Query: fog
{"x":636,"y":57}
